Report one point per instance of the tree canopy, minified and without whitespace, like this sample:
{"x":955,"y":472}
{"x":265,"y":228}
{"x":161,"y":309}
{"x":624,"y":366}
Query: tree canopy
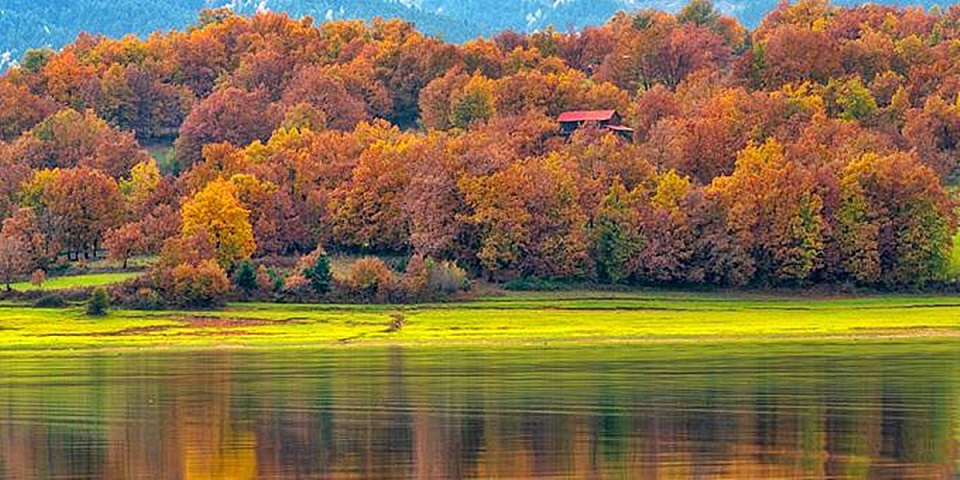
{"x":820,"y":147}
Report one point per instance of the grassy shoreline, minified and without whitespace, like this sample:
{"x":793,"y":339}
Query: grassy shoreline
{"x":77,"y":281}
{"x":537,"y":318}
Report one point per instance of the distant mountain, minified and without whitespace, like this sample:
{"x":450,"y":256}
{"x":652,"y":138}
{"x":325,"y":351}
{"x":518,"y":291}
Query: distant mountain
{"x":35,"y":23}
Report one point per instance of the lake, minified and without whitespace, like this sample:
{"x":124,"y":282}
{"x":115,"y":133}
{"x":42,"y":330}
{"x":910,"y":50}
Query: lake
{"x":872,"y":410}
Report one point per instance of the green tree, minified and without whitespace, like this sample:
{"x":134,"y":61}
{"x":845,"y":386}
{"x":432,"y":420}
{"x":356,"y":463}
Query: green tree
{"x":319,"y":275}
{"x":245,"y":277}
{"x":614,"y":237}
{"x":854,"y":99}
{"x":36,"y":58}
{"x":699,"y":13}
{"x":99,"y":303}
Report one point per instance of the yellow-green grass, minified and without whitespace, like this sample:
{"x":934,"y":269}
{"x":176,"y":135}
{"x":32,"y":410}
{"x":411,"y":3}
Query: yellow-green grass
{"x":134,"y":263}
{"x":75,"y":281}
{"x":955,"y":257}
{"x":537,"y":318}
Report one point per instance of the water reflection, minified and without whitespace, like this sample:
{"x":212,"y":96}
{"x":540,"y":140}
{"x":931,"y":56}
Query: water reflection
{"x":842,"y":411}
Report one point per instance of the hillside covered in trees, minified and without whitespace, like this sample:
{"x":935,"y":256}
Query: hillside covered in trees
{"x":817,"y":148}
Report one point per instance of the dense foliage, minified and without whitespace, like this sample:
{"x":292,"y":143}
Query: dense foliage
{"x":815,"y":149}
{"x":32,"y":23}
{"x":99,"y":303}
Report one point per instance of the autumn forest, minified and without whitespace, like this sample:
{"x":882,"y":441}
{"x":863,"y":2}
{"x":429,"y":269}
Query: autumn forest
{"x":820,"y":148}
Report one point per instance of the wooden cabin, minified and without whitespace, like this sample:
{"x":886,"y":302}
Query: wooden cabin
{"x":604,"y":119}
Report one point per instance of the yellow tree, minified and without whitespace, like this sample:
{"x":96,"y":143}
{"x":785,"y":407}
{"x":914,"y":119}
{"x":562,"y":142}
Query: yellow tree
{"x":217,"y":213}
{"x":143,"y":183}
{"x":895,"y":221}
{"x":475,"y":102}
{"x":774,"y":210}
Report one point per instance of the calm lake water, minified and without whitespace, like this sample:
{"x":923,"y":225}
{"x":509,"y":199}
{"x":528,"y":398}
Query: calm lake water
{"x":884,"y":410}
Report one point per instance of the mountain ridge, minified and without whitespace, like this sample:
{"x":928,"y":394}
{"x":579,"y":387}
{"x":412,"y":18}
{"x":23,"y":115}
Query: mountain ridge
{"x":28,"y":24}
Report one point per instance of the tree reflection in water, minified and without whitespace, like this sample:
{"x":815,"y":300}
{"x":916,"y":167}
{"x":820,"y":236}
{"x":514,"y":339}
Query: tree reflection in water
{"x":645,"y":411}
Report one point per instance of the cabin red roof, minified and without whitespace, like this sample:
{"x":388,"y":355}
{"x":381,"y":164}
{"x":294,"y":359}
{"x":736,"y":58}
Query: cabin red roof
{"x":587,"y":116}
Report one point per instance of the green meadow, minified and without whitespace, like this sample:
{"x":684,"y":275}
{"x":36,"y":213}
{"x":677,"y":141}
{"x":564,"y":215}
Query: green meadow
{"x":515,"y":319}
{"x":78,"y":281}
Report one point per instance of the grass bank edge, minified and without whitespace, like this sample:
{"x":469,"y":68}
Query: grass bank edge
{"x":518,"y":319}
